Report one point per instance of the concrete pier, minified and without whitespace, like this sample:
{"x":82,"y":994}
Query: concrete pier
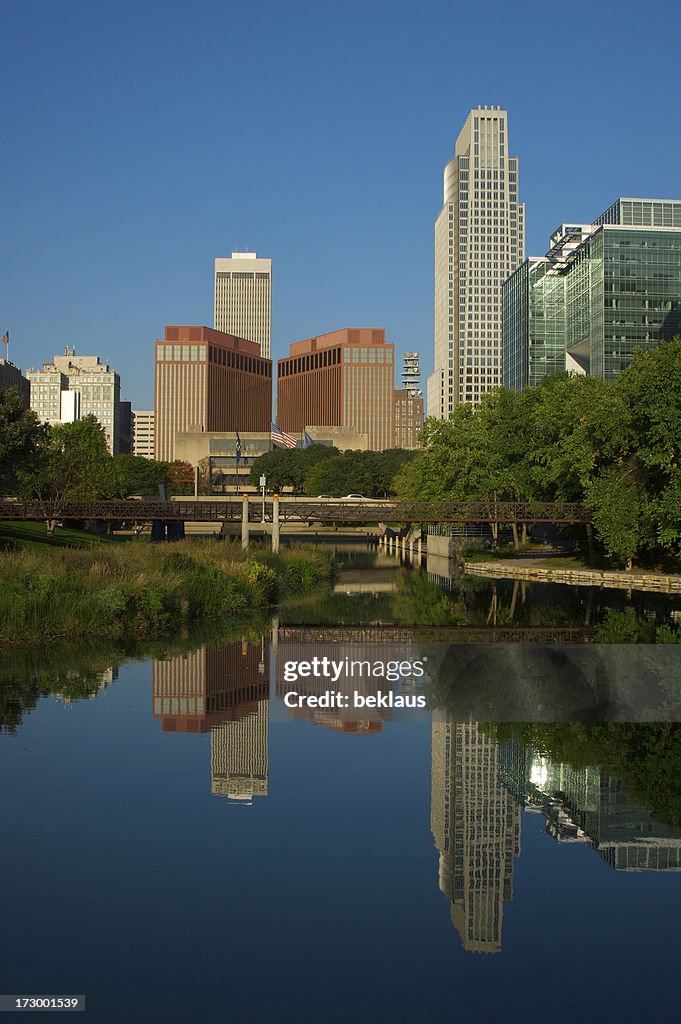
{"x":275,"y":523}
{"x":244,"y":522}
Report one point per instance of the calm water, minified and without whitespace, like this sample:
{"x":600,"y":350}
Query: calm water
{"x":181,"y":847}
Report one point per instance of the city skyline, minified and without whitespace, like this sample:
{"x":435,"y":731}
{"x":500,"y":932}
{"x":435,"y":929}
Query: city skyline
{"x":122,"y":245}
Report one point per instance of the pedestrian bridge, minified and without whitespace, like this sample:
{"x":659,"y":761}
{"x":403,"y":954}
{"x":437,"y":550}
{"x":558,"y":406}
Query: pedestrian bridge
{"x":253,"y":509}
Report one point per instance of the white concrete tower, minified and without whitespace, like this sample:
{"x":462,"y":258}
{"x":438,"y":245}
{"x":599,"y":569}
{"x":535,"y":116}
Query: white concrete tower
{"x":479,"y":241}
{"x":243,"y":298}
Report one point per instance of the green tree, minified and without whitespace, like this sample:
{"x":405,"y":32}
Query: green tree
{"x":354,"y":472}
{"x":133,"y":474}
{"x":74,"y":466}
{"x":384,"y":468}
{"x":443,"y":468}
{"x":615,"y":501}
{"x":288,"y":467}
{"x":21,"y":437}
{"x":651,"y":390}
{"x":343,"y":473}
{"x":574,"y":426}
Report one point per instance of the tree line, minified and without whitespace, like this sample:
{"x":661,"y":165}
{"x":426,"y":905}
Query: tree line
{"x":321,"y":469}
{"x":614,"y":446}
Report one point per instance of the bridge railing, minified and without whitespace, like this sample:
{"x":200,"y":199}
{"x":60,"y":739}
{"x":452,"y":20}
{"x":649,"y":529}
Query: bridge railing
{"x":328,"y":511}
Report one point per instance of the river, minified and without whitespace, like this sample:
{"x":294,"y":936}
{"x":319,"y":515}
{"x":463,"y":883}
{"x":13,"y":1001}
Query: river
{"x":180,"y":846}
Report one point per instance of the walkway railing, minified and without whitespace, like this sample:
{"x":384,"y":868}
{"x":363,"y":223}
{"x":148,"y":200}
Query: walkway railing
{"x":303,"y":511}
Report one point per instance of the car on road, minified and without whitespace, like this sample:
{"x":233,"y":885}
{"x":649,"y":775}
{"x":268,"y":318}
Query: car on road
{"x":359,"y":497}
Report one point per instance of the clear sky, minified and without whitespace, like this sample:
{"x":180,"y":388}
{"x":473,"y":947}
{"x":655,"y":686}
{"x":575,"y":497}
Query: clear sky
{"x":141,"y":140}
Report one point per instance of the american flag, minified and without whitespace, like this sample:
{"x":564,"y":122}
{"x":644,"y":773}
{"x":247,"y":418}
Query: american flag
{"x":280,"y":436}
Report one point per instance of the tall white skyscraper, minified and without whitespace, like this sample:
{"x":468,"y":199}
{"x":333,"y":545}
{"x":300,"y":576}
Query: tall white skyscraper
{"x":243,"y":298}
{"x":479,"y":241}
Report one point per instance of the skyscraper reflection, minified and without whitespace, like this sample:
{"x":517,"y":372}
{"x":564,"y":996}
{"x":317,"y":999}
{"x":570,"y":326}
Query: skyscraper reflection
{"x":239,"y":756}
{"x":224,"y":690}
{"x":476,"y":826}
{"x":196,"y":690}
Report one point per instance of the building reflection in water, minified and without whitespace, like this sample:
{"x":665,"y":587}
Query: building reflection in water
{"x":476,"y":826}
{"x":478,"y":789}
{"x":591,"y":806}
{"x":479,"y":786}
{"x":99,"y":681}
{"x":357,"y":643}
{"x":226,"y":691}
{"x":238,"y":756}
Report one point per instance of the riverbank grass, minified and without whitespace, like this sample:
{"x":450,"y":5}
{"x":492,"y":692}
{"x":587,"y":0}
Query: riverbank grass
{"x":143,"y":589}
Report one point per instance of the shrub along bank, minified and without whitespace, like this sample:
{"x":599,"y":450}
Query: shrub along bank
{"x":144,"y":590}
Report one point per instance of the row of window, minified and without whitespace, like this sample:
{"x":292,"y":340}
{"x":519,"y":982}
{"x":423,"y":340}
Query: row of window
{"x":239,"y":361}
{"x":314,"y":361}
{"x":240,"y":276}
{"x":181,"y":353}
{"x":332,"y":357}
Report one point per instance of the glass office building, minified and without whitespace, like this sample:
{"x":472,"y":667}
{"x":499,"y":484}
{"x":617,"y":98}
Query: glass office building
{"x":534,"y":316}
{"x":615,"y":288}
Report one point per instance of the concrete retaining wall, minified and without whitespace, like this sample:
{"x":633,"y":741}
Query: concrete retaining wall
{"x":579,"y":577}
{"x":443,"y":547}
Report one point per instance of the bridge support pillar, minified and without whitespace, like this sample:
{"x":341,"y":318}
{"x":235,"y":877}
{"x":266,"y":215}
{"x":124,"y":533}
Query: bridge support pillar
{"x":275,"y":523}
{"x":244,"y":522}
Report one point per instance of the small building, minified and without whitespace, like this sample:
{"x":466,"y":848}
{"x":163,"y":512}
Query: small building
{"x":215,"y":453}
{"x":408,"y":419}
{"x":143,"y":433}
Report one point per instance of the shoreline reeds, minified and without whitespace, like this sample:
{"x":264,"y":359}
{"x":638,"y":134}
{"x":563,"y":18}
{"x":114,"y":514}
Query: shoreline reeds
{"x":142,"y":590}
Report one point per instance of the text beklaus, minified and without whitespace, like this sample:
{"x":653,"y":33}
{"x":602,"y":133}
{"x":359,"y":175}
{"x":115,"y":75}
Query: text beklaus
{"x":337,"y":699}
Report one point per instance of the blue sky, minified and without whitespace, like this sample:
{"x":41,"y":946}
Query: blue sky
{"x":141,"y":140}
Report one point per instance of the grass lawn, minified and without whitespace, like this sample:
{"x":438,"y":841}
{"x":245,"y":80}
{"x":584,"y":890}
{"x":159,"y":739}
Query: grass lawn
{"x":16,"y":535}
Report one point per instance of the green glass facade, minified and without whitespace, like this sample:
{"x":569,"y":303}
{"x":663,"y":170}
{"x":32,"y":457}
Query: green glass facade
{"x":533,"y":318}
{"x":619,"y":290}
{"x":623,"y":292}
